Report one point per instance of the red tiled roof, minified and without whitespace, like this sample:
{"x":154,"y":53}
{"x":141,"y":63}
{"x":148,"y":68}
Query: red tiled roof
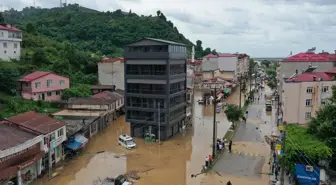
{"x":308,"y":77}
{"x":196,"y":61}
{"x":311,"y":57}
{"x":11,"y":28}
{"x":35,"y":75}
{"x":332,"y":71}
{"x":41,"y":123}
{"x":226,"y":55}
{"x":112,"y":60}
{"x":210,"y":56}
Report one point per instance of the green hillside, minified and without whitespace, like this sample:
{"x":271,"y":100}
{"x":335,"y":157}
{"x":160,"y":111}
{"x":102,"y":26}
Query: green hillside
{"x":71,"y":40}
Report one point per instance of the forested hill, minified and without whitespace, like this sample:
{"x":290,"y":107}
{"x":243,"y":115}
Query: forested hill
{"x":94,"y":31}
{"x":71,"y":40}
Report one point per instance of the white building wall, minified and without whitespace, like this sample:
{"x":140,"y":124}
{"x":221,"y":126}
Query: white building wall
{"x":111,"y":73}
{"x":10,"y":45}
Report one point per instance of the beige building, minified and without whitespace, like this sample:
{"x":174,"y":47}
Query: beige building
{"x":111,"y":72}
{"x":224,"y":65}
{"x":304,"y":93}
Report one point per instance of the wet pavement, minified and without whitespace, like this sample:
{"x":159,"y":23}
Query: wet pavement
{"x":170,"y":163}
{"x":247,"y":164}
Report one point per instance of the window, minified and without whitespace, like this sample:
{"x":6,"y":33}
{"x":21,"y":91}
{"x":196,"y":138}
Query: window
{"x":58,"y":92}
{"x":14,"y":52}
{"x":52,"y":136}
{"x":38,"y":85}
{"x":324,"y":101}
{"x":309,"y":102}
{"x":2,"y":34}
{"x":325,"y":89}
{"x":309,"y":90}
{"x":15,"y":45}
{"x":4,"y":45}
{"x":49,"y":93}
{"x":61,"y":82}
{"x":307,"y":115}
{"x":60,"y":132}
{"x":49,"y":83}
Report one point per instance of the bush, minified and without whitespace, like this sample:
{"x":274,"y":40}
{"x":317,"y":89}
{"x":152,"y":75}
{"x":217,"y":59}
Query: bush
{"x":77,"y":91}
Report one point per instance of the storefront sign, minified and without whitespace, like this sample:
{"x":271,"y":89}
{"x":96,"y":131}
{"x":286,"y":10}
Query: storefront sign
{"x":307,"y":175}
{"x":16,"y":154}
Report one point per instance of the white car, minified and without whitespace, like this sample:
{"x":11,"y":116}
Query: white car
{"x":126,"y":141}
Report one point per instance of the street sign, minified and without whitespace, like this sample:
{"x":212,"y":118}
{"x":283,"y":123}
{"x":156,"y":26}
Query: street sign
{"x":281,"y":128}
{"x":278,"y":147}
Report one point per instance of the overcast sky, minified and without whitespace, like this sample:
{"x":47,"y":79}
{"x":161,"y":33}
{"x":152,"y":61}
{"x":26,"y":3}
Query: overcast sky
{"x":260,"y":28}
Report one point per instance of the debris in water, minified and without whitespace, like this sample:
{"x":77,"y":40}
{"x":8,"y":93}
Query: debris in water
{"x":133,"y":175}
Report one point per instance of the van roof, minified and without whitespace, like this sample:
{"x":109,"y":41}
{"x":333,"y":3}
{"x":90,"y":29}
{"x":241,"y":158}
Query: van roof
{"x":125,"y":137}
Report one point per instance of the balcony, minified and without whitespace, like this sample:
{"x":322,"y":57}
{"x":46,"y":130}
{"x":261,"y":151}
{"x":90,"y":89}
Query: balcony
{"x":146,"y":91}
{"x":145,"y":55}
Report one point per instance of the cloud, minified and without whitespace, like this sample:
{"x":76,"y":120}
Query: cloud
{"x":257,"y":27}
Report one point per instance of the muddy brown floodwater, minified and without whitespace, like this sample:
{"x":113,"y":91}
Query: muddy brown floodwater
{"x":170,"y":163}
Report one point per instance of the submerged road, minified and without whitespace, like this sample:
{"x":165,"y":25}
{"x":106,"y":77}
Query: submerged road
{"x":248,"y":162}
{"x":171,"y":163}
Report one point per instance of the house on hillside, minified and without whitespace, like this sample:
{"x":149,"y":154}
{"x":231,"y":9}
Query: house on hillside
{"x":10,"y":42}
{"x":45,"y":86}
{"x":52,"y":130}
{"x":111,"y":72}
{"x":303,"y":94}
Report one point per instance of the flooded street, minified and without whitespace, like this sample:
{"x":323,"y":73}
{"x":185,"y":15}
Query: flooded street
{"x":170,"y":163}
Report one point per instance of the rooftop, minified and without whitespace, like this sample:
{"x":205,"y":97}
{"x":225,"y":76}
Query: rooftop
{"x":108,"y":95}
{"x":35,"y":75}
{"x":86,"y":113}
{"x":309,"y":77}
{"x":9,"y":27}
{"x":120,"y":91}
{"x":226,"y":55}
{"x":76,"y":123}
{"x":11,"y":135}
{"x":166,"y":42}
{"x":311,"y":57}
{"x":90,"y":101}
{"x":210,"y":56}
{"x":41,"y":123}
{"x":112,"y":60}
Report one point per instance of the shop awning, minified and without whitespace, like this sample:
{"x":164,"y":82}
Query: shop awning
{"x":227,"y":91}
{"x":81,"y":139}
{"x":219,"y":95}
{"x":73,"y":145}
{"x":11,"y":170}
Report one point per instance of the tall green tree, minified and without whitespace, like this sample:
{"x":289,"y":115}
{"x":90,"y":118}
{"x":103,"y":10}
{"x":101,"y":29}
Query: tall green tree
{"x":2,"y":19}
{"x":233,"y":113}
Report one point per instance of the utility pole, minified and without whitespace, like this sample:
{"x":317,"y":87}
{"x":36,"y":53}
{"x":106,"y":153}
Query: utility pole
{"x":240,"y":89}
{"x":159,"y":123}
{"x":214,"y":134}
{"x":283,"y":148}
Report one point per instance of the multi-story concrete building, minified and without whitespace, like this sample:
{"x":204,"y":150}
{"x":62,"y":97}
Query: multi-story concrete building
{"x":111,"y":72}
{"x":302,"y":61}
{"x":10,"y":42}
{"x":224,"y":65}
{"x":155,"y":87}
{"x":303,"y":94}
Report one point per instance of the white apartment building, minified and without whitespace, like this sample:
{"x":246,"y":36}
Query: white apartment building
{"x":304,"y":93}
{"x":10,"y":42}
{"x":111,"y":72}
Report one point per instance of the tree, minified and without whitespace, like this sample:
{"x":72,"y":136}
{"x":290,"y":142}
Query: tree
{"x":271,"y":84}
{"x":214,"y":52}
{"x":39,"y":57}
{"x":78,"y":91}
{"x":2,"y":19}
{"x":233,"y":113}
{"x":9,"y":75}
{"x":158,"y":13}
{"x":266,"y":63}
{"x":206,"y":51}
{"x":30,"y":28}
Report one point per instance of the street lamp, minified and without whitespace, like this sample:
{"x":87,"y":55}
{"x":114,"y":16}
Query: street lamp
{"x":214,"y":134}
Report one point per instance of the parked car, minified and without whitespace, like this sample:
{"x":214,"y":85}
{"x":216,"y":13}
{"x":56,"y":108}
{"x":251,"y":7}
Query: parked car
{"x":126,"y":141}
{"x":201,"y":101}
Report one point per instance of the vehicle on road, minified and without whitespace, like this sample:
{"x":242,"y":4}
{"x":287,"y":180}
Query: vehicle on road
{"x":120,"y":180}
{"x":268,"y":105}
{"x":126,"y":141}
{"x":200,"y":101}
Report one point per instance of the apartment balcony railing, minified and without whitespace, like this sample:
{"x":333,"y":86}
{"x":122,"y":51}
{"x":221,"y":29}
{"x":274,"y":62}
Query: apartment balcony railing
{"x":145,"y":91}
{"x":149,"y":73}
{"x":172,"y":91}
{"x":15,"y":36}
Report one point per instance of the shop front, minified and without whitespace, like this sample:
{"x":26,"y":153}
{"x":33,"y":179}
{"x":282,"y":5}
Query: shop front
{"x":22,"y":167}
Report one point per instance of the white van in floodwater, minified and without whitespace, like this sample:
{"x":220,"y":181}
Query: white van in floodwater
{"x":126,"y":141}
